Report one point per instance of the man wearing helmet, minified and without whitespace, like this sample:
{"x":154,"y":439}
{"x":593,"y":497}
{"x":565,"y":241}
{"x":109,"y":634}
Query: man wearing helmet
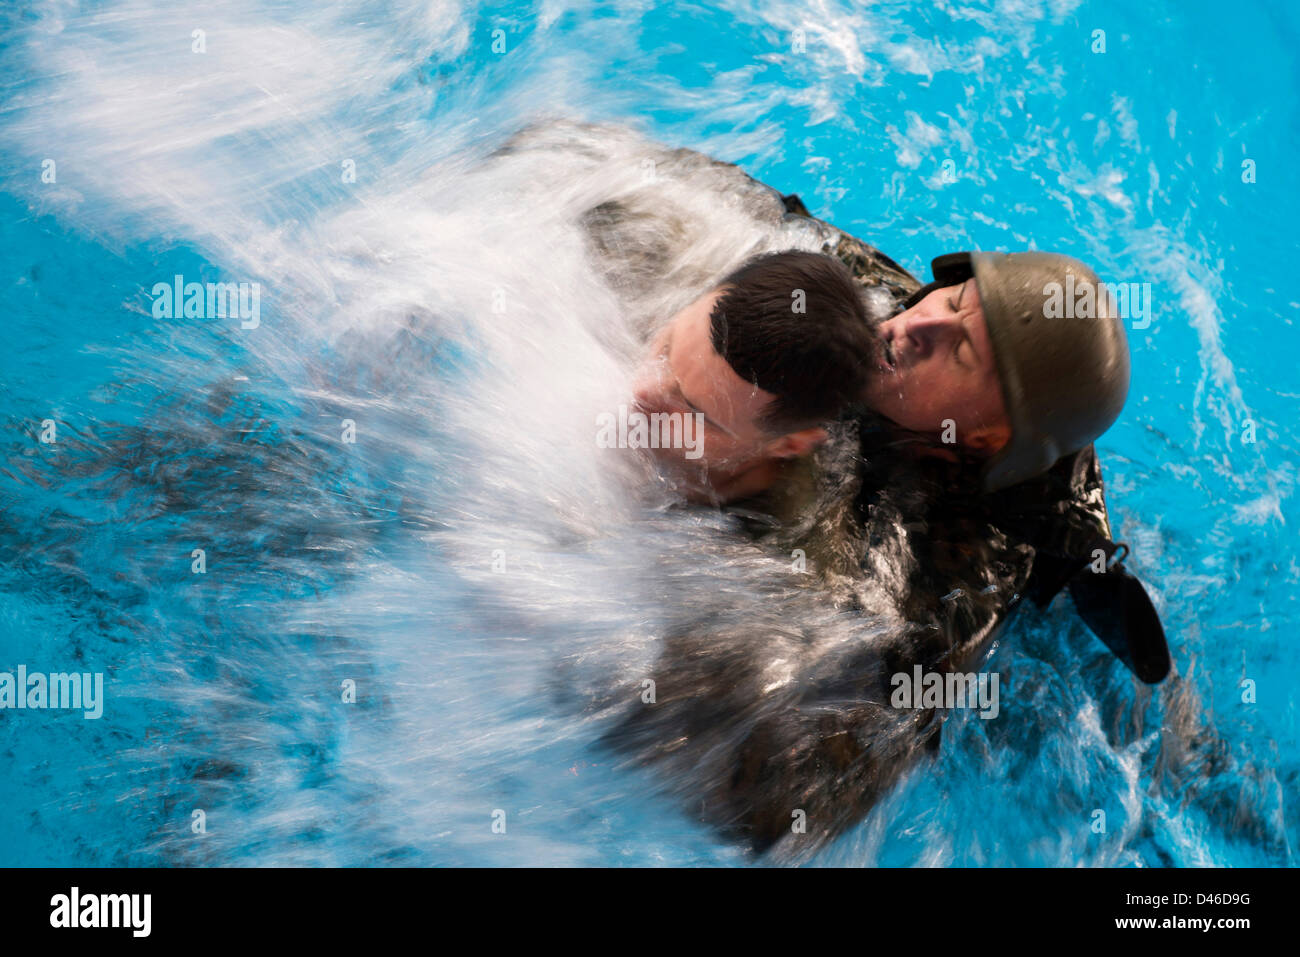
{"x":977,"y":358}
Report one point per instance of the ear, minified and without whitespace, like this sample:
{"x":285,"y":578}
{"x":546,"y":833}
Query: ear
{"x":794,"y":444}
{"x":988,"y":440}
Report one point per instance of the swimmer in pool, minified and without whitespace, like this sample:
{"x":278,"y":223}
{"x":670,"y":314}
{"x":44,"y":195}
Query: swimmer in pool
{"x":762,"y":361}
{"x":958,"y":481}
{"x":979,"y":377}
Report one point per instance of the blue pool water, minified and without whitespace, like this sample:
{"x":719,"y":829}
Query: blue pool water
{"x":920,"y":127}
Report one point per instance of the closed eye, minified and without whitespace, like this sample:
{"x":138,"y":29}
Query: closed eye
{"x":956,"y":352}
{"x":707,"y":420}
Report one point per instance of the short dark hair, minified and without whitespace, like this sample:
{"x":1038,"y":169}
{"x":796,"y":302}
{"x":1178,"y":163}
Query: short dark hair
{"x":814,"y":361}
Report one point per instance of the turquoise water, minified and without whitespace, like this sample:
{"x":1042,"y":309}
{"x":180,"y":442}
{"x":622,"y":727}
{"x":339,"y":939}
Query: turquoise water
{"x":922,"y":128}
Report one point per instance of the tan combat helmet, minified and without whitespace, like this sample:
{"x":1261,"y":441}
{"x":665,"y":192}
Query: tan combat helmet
{"x":1061,"y":353}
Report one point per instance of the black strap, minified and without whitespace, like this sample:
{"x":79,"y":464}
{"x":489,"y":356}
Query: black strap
{"x":1062,"y":514}
{"x":950,"y":269}
{"x":1119,"y":611}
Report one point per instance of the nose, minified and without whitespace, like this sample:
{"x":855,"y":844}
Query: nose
{"x":648,"y":388}
{"x":916,"y":336}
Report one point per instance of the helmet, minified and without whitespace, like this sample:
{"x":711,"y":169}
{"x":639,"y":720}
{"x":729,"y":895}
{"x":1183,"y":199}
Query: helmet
{"x":1060,"y":348}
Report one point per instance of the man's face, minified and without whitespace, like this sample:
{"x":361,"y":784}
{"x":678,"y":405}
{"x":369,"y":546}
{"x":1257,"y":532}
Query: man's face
{"x":936,"y":363}
{"x":683,"y":373}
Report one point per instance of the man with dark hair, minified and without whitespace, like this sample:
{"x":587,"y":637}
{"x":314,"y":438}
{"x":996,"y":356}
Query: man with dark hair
{"x":763,"y":361}
{"x":761,"y":325}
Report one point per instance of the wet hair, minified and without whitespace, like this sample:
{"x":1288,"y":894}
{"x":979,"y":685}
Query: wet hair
{"x":815,"y":361}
